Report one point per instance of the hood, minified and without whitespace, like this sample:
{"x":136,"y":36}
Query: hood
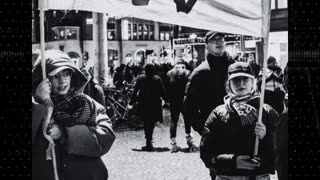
{"x":56,"y":59}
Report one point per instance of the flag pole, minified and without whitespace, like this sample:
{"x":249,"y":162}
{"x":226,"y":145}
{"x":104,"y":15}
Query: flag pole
{"x":48,"y":104}
{"x":266,"y":9}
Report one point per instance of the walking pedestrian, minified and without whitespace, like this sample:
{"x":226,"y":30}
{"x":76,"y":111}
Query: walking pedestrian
{"x":177,"y":81}
{"x":81,"y":130}
{"x":205,"y":88}
{"x":148,"y":91}
{"x":228,"y":140}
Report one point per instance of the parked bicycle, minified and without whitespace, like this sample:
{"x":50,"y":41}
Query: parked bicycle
{"x":117,"y":100}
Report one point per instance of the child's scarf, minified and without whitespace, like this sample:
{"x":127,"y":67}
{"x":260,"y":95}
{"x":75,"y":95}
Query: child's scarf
{"x":74,"y":109}
{"x":246,"y":107}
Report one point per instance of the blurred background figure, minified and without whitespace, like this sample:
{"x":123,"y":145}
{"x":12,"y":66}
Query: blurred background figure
{"x":177,"y":81}
{"x":93,"y":89}
{"x":274,"y":90}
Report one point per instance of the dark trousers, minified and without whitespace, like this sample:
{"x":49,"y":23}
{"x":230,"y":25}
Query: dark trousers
{"x":175,"y":110}
{"x":148,"y":126}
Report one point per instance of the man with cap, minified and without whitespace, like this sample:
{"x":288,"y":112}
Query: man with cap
{"x":228,"y":139}
{"x":205,"y":88}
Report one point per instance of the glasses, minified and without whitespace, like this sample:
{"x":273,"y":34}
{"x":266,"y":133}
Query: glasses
{"x":216,"y":41}
{"x":63,"y":75}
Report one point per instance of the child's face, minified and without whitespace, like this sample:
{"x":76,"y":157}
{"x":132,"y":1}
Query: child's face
{"x":61,"y":82}
{"x":241,"y":85}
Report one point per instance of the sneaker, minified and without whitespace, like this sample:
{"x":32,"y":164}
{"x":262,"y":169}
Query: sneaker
{"x":175,"y":148}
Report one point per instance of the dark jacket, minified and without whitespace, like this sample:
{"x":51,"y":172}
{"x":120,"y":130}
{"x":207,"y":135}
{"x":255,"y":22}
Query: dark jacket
{"x":224,"y":134}
{"x":205,"y":89}
{"x":148,"y":92}
{"x":176,"y":84}
{"x":281,"y":146}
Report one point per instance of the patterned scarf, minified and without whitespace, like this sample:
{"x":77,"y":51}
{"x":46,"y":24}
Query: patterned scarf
{"x":247,"y":107}
{"x":74,"y":109}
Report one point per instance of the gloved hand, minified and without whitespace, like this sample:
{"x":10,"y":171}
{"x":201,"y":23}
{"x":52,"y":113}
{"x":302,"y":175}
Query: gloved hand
{"x":245,"y":162}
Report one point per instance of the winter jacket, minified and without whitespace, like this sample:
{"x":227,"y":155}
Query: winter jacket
{"x":148,"y":93}
{"x":79,"y":149}
{"x":224,"y":134}
{"x":205,"y":89}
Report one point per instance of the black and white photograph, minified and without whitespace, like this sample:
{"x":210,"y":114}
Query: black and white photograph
{"x":160,"y":89}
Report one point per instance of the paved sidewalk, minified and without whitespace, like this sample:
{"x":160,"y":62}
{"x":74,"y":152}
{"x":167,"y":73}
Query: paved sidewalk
{"x":126,"y":161}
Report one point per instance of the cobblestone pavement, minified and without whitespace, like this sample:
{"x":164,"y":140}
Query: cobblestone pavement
{"x":125,"y":161}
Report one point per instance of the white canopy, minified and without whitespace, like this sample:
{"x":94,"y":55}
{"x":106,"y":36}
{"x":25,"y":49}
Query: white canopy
{"x":245,"y":17}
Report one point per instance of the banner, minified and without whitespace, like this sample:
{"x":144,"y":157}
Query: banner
{"x":245,"y":17}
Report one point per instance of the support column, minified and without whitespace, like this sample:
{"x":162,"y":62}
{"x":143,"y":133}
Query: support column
{"x":103,"y":48}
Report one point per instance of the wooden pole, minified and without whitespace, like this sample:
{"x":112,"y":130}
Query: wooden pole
{"x":266,"y":7}
{"x":48,"y":103}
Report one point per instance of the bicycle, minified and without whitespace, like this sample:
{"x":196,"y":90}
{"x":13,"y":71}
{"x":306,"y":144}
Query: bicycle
{"x":117,"y":100}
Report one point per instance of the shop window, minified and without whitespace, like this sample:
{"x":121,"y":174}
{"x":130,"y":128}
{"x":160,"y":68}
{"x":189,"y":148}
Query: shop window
{"x":111,"y":30}
{"x":140,"y":31}
{"x":151,"y":34}
{"x":134,"y":34}
{"x":129,"y":32}
{"x":71,"y":34}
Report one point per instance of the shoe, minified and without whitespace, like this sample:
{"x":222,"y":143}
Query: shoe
{"x":148,"y":148}
{"x":175,"y":148}
{"x":191,"y":146}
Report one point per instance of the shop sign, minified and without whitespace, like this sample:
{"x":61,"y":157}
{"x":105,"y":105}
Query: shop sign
{"x":182,"y":41}
{"x":141,"y":45}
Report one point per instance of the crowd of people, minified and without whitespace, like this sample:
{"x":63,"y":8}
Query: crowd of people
{"x":219,"y":99}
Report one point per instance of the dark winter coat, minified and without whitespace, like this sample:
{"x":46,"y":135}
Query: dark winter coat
{"x":224,"y":134}
{"x":148,"y":93}
{"x":79,"y":150}
{"x":205,"y":89}
{"x":176,"y":84}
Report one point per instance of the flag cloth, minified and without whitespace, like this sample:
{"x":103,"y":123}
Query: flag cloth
{"x":245,"y":17}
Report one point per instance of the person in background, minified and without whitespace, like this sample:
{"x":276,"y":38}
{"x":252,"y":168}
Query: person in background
{"x":228,"y":140}
{"x":93,"y":89}
{"x":148,"y":91}
{"x":177,"y":80}
{"x":274,"y":89}
{"x":80,"y":128}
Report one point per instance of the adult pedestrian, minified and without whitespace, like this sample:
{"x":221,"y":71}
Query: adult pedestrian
{"x":274,"y":87}
{"x":228,"y":140}
{"x":81,"y":130}
{"x":92,"y":88}
{"x":205,"y":88}
{"x":148,"y":91}
{"x":177,"y":79}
